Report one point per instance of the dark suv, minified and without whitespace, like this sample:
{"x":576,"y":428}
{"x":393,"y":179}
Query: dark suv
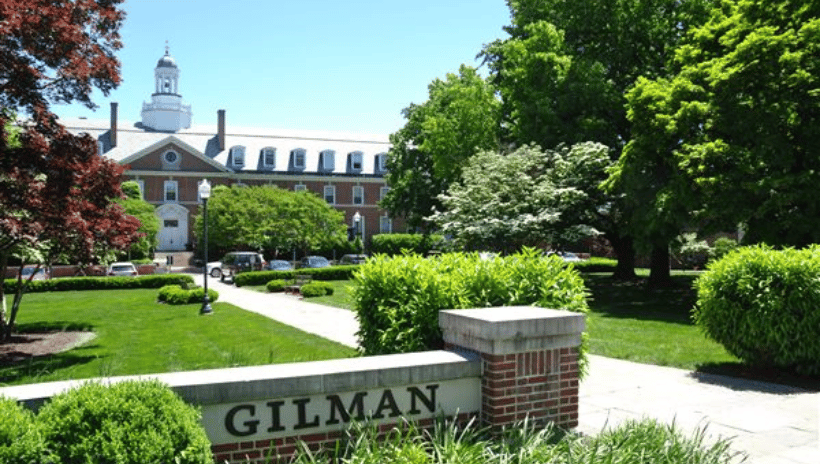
{"x":241,"y":261}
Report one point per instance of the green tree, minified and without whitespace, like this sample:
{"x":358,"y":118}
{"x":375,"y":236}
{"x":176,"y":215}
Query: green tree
{"x":740,"y":122}
{"x":528,"y":198}
{"x":427,"y":154}
{"x":269,"y":219}
{"x":134,"y":205}
{"x":565,"y":69}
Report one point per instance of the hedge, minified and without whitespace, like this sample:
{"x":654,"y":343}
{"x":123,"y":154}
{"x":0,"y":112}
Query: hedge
{"x":314,"y":289}
{"x":322,"y":273}
{"x":127,"y":422}
{"x":20,"y":437}
{"x":397,"y":299}
{"x":101,"y":283}
{"x":763,"y":305}
{"x":176,"y":295}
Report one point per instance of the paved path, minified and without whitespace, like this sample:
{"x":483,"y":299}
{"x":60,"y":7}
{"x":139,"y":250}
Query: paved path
{"x":770,"y":423}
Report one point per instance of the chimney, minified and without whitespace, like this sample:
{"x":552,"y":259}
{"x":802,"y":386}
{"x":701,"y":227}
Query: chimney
{"x":112,"y":134}
{"x":220,"y":117}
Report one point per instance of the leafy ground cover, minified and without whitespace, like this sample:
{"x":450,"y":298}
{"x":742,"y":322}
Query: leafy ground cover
{"x":644,"y":441}
{"x":137,"y":335}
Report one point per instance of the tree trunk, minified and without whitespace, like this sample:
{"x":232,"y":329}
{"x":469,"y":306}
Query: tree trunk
{"x":624,"y":247}
{"x":659,"y":275}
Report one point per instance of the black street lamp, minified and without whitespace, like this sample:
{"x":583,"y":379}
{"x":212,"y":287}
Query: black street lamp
{"x":205,"y":193}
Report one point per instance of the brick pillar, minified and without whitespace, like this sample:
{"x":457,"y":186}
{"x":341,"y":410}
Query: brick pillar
{"x":529,"y":361}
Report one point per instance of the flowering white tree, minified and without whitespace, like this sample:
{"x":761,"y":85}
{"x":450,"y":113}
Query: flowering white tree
{"x":530,"y":197}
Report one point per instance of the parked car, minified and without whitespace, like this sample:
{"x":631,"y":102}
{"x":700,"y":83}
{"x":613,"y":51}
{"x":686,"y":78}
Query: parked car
{"x":280,"y":265}
{"x":353,"y":259}
{"x":215,"y":269}
{"x":124,"y":269}
{"x":314,"y":262}
{"x":41,"y":273}
{"x":237,"y":262}
{"x":568,"y":256}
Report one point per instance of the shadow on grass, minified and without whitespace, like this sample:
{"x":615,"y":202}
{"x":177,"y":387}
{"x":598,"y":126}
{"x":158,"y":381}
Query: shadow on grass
{"x":633,"y":299}
{"x":54,"y":326}
{"x":41,"y":366}
{"x":739,"y":376}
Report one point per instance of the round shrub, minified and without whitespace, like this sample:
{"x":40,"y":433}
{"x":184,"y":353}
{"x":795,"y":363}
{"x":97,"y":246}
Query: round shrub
{"x":276,"y":285}
{"x":127,"y":422}
{"x":397,"y":299}
{"x":20,"y":438}
{"x":195,"y":295}
{"x":176,"y":295}
{"x":763,"y":305}
{"x":316,"y":288}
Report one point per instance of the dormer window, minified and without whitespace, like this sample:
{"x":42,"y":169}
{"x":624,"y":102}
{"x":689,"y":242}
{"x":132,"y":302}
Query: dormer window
{"x":381,"y":162}
{"x":268,"y":157}
{"x":297,"y":158}
{"x":328,"y":160}
{"x":238,"y":156}
{"x":356,"y":161}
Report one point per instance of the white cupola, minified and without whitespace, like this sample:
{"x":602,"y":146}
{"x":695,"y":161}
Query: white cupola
{"x":166,"y":112}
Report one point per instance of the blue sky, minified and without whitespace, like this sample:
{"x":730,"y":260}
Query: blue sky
{"x":311,"y":64}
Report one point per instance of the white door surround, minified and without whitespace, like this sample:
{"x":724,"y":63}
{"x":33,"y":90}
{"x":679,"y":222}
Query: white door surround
{"x":173,"y":227}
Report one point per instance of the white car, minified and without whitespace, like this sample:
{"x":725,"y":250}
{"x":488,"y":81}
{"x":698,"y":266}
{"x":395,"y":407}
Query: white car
{"x":215,"y":269}
{"x":125,"y":269}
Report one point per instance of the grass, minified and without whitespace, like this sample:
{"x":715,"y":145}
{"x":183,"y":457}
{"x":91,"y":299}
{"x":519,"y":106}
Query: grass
{"x":629,"y":321}
{"x":136,"y":335}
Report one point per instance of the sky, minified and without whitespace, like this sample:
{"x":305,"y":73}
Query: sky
{"x":325,"y":65}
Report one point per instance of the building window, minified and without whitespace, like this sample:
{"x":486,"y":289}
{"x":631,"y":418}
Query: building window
{"x":358,"y":195}
{"x":170,"y":223}
{"x":238,"y":155}
{"x":170,"y":160}
{"x":269,"y":157}
{"x":328,"y":160}
{"x":141,"y":184}
{"x":385,"y":225}
{"x":356,"y":161}
{"x":298,"y":158}
{"x":171,"y":188}
{"x":381,"y":162}
{"x":383,"y":192}
{"x":300,"y":187}
{"x":330,"y":194}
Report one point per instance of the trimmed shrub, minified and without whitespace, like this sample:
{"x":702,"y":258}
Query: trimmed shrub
{"x":276,"y":285}
{"x":397,"y":299}
{"x":397,"y":244}
{"x":102,"y":283}
{"x":313,"y":289}
{"x":20,"y":437}
{"x":763,"y":305}
{"x":323,"y":273}
{"x":127,"y":422}
{"x":176,"y":295}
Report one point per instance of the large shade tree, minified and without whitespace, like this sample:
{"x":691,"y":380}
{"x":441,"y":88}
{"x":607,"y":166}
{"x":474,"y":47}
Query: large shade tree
{"x":135,"y":205}
{"x":527,"y":198}
{"x":56,"y":193}
{"x":269,"y":219}
{"x":440,"y":135}
{"x":738,"y":124}
{"x":564,"y":72}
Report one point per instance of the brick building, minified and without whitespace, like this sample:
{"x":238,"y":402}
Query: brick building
{"x":168,"y":157}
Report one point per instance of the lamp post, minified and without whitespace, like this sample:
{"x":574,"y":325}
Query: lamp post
{"x":205,"y":193}
{"x":357,"y":219}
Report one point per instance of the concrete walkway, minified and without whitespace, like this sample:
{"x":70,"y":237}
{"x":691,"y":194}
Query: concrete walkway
{"x":769,"y":423}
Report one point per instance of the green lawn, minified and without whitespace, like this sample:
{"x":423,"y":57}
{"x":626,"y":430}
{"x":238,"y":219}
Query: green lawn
{"x":627,"y":320}
{"x":136,"y":335}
